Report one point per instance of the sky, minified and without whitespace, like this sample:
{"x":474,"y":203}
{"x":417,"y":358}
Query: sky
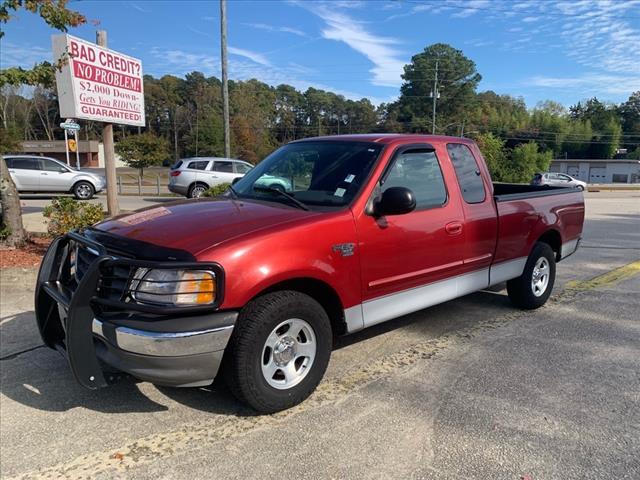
{"x":560,"y":50}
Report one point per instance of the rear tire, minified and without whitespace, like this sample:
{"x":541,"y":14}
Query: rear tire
{"x":197,"y":190}
{"x":278,"y":352}
{"x":532,"y":289}
{"x":83,"y":190}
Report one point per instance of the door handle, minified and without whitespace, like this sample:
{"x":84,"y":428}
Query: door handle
{"x":42,"y":173}
{"x":453,"y":228}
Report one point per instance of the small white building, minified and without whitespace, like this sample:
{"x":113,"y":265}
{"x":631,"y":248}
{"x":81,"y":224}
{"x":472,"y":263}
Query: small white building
{"x":596,"y":170}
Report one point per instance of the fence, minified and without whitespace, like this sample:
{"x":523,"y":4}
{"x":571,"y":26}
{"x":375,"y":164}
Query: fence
{"x":147,"y":185}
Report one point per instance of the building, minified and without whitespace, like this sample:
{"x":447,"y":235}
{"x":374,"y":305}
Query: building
{"x":596,"y":170}
{"x":89,"y":151}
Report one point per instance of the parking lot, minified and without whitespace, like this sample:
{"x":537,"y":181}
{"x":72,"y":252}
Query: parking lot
{"x":469,"y":389}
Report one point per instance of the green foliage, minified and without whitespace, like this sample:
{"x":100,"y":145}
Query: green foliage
{"x":54,"y":12}
{"x":66,"y":214}
{"x":457,"y":82}
{"x":525,"y":161}
{"x":494,"y":152}
{"x":4,"y":232}
{"x":216,"y":190}
{"x":143,"y":150}
{"x":9,"y":140}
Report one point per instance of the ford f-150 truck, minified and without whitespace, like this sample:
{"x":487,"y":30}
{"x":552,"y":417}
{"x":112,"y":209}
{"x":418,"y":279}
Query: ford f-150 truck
{"x":256,"y":284}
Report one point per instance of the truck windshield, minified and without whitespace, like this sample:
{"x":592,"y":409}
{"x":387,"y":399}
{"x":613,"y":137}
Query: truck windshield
{"x":322,"y":173}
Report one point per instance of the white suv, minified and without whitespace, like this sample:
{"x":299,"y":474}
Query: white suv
{"x":191,"y":177}
{"x":32,"y":173}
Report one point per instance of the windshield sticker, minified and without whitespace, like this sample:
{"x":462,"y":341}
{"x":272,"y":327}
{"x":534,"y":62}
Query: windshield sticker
{"x":350,"y":178}
{"x":339,"y":192}
{"x":145,"y":216}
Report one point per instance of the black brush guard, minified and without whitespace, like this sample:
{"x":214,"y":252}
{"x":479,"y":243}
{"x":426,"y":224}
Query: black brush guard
{"x":72,"y":333}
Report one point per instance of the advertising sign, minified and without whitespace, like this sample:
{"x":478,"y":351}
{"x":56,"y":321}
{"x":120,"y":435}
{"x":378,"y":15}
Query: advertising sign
{"x":96,"y":83}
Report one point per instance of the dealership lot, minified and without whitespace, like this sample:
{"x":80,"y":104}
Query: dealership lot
{"x":471,"y":388}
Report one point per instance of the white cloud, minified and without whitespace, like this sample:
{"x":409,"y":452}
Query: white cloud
{"x":273,"y":28}
{"x":179,"y":62}
{"x":589,"y":84}
{"x":25,"y":56}
{"x":253,"y":56}
{"x":380,"y":50}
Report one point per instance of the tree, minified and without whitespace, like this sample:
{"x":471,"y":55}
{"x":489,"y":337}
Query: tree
{"x":494,"y":153}
{"x":457,"y":82}
{"x":525,"y":161}
{"x":58,"y":16}
{"x":143,"y":150}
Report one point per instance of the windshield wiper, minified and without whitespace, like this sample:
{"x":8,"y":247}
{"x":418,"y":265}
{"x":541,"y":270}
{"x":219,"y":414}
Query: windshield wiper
{"x":297,"y":202}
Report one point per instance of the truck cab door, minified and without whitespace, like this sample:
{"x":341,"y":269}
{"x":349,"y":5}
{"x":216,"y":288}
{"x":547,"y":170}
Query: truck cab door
{"x":478,"y":207}
{"x":400,"y":254}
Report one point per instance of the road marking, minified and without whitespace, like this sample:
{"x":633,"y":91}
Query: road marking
{"x":206,"y":433}
{"x":606,"y":279}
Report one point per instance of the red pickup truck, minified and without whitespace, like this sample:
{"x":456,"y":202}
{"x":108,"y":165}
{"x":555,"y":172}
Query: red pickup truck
{"x":256,"y":283}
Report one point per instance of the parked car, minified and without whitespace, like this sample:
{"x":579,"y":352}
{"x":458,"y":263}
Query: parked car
{"x":192,"y":177}
{"x":32,"y":173}
{"x":256,"y":283}
{"x":557,"y":180}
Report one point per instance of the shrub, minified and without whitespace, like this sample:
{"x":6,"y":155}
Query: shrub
{"x":66,"y":214}
{"x":216,"y":190}
{"x":4,"y":232}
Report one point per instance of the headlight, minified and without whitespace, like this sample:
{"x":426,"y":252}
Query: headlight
{"x":174,"y":287}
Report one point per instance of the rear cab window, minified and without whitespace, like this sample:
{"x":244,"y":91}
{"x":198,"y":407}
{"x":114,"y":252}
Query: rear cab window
{"x":467,"y":172}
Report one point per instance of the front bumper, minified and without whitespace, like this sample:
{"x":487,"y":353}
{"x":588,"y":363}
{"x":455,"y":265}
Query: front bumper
{"x":98,"y":335}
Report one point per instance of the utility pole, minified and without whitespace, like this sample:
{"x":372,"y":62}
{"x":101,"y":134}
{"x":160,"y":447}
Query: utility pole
{"x":225,"y":83}
{"x":109,"y":151}
{"x":434,"y":94}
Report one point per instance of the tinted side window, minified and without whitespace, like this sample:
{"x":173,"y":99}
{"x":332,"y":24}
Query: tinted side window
{"x":51,"y":166}
{"x":419,"y":171}
{"x":9,"y":162}
{"x":199,"y":165}
{"x":223,"y":167}
{"x":176,"y":165}
{"x":467,"y":172}
{"x":242,"y":168}
{"x":25,"y":164}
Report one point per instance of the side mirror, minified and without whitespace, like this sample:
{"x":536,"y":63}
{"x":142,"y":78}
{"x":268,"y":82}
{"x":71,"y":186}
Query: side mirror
{"x":395,"y":201}
{"x":235,"y":180}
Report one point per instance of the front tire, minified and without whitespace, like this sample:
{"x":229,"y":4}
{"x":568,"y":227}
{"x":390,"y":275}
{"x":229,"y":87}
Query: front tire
{"x":531,"y":290}
{"x":83,"y":191}
{"x":279,"y":351}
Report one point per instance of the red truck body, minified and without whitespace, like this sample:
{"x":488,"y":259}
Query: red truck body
{"x":362,"y":268}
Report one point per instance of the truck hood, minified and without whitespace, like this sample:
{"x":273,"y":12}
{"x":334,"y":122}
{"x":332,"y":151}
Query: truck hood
{"x":195,"y":225}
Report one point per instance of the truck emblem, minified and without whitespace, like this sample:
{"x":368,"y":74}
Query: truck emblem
{"x":345,"y":249}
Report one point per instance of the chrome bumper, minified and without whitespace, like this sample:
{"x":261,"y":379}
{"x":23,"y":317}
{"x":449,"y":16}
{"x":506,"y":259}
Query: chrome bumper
{"x":167,"y":344}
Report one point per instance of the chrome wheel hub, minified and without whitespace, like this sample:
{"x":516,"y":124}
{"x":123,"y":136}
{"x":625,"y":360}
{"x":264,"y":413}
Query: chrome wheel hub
{"x":284,"y":351}
{"x":540,"y":277}
{"x":288,"y":353}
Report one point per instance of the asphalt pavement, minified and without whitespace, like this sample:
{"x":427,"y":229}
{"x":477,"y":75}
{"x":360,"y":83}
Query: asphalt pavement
{"x":469,"y":389}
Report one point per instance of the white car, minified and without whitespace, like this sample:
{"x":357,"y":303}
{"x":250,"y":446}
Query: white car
{"x":32,"y":173}
{"x":192,"y":177}
{"x":556,"y":179}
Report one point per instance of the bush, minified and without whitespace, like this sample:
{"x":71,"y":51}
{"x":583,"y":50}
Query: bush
{"x":66,"y":214}
{"x":216,"y":190}
{"x":4,"y":232}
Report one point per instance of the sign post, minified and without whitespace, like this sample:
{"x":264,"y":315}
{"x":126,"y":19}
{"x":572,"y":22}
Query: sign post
{"x":70,"y":125}
{"x":95,"y":83}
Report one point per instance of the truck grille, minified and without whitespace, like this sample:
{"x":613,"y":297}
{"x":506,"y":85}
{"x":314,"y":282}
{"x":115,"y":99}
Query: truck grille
{"x":114,"y":279}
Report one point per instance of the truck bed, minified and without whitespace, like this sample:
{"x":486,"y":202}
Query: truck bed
{"x":504,"y":192}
